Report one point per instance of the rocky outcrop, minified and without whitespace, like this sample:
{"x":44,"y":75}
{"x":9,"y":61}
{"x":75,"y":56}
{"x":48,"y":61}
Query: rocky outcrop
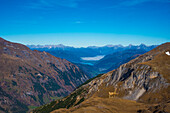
{"x":135,"y":78}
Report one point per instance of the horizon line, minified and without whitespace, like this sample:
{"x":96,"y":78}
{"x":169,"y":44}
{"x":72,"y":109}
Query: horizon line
{"x":93,"y":46}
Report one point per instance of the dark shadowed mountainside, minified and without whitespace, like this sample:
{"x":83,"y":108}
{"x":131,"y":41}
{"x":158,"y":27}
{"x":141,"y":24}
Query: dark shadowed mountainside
{"x":89,"y":70}
{"x":114,"y":60}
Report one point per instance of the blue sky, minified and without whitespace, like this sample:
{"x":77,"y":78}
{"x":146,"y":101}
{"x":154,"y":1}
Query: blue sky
{"x":85,"y":22}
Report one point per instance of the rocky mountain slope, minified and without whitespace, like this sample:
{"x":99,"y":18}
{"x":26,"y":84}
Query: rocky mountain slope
{"x":146,"y":79}
{"x":32,"y":78}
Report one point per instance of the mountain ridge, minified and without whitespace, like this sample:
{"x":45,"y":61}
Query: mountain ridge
{"x":33,"y":78}
{"x":114,"y":60}
{"x":134,"y":80}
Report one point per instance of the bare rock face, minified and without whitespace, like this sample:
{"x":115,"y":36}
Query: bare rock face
{"x":138,"y":79}
{"x":145,"y":79}
{"x":33,"y":78}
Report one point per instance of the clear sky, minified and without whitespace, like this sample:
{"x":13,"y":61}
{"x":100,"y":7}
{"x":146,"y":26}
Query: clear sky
{"x":85,"y":22}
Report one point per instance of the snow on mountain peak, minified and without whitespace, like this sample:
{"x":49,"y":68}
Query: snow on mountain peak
{"x":168,"y":53}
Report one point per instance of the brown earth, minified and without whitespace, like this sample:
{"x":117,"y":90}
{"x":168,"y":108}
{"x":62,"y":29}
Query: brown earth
{"x":33,"y":78}
{"x":115,"y":105}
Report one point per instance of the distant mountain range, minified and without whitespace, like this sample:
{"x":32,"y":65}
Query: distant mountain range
{"x":32,"y":78}
{"x":90,"y":51}
{"x":141,"y":85}
{"x":115,"y":55}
